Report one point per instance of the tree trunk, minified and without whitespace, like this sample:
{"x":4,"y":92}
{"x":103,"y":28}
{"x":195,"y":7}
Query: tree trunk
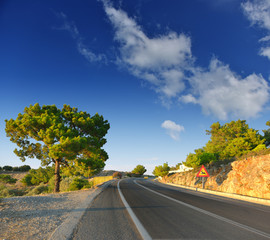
{"x":57,"y":176}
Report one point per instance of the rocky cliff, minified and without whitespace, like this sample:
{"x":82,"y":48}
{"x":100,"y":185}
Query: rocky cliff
{"x":250,"y":177}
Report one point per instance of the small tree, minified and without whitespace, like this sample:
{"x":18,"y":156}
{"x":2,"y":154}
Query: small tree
{"x":59,"y":136}
{"x":117,"y":175}
{"x":139,"y":170}
{"x":162,"y":170}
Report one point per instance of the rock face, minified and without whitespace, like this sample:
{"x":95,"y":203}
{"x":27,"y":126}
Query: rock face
{"x":250,"y":177}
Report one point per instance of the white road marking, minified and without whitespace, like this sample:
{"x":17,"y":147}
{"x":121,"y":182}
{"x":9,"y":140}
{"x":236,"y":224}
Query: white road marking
{"x":145,"y":235}
{"x":253,"y":230}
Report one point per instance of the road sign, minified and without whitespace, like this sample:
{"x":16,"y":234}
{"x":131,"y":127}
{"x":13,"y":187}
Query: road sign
{"x":202,"y":172}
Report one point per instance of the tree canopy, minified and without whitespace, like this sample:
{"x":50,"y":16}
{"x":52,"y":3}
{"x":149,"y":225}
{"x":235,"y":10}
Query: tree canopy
{"x":161,"y":170}
{"x":139,"y":170}
{"x":230,"y":140}
{"x":63,"y":136}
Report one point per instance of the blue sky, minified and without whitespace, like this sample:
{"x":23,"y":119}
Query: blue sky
{"x":161,"y":72}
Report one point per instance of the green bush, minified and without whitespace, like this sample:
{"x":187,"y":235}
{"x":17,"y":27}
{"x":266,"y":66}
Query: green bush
{"x":78,"y":183}
{"x":37,"y":176}
{"x":161,"y":170}
{"x":41,"y":188}
{"x":70,"y":184}
{"x":5,"y":178}
{"x":10,"y":192}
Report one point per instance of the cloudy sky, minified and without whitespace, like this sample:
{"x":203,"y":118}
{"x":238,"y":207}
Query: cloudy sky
{"x":161,"y":72}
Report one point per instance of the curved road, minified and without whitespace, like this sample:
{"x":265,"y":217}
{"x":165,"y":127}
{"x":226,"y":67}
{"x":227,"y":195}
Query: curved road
{"x":165,"y":212}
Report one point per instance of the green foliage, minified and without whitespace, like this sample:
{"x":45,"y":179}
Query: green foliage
{"x":139,"y":170}
{"x":7,"y":168}
{"x":24,"y":168}
{"x":6,"y":191}
{"x":41,"y":188}
{"x":193,"y":159}
{"x":37,"y":176}
{"x":78,"y":183}
{"x":62,"y":136}
{"x":5,"y":178}
{"x":70,"y":184}
{"x":232,"y":139}
{"x":117,"y":175}
{"x":129,"y":174}
{"x":161,"y":170}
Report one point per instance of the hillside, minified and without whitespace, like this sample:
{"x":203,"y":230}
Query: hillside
{"x":250,"y":177}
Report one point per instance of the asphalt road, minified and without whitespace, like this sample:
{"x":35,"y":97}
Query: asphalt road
{"x":166,"y":212}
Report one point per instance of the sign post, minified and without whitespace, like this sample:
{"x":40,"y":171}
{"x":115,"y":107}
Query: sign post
{"x":203,"y":173}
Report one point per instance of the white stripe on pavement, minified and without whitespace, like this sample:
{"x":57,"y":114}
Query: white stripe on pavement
{"x":145,"y":235}
{"x":253,"y":230}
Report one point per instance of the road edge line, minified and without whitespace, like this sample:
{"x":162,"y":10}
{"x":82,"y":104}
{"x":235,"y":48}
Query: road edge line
{"x":250,"y":229}
{"x":144,"y":234}
{"x":66,"y":229}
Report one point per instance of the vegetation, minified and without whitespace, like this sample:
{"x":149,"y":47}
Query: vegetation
{"x":37,"y":176}
{"x":267,"y":134}
{"x":117,"y":175}
{"x":231,"y":140}
{"x":4,"y":178}
{"x":139,"y":170}
{"x":66,"y":137}
{"x":24,"y":168}
{"x":100,"y":180}
{"x":7,"y":168}
{"x":162,"y":170}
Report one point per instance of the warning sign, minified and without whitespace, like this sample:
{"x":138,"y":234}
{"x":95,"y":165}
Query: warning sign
{"x":202,"y":172}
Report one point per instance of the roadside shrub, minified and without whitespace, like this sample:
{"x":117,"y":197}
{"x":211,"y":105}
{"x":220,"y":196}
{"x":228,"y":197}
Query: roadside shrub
{"x":4,"y":191}
{"x":7,"y":168}
{"x":1,"y":168}
{"x":5,"y":178}
{"x":78,"y":183}
{"x":70,"y":184}
{"x":37,"y":176}
{"x":41,"y":188}
{"x":10,"y":192}
{"x":117,"y":175}
{"x":27,"y":180}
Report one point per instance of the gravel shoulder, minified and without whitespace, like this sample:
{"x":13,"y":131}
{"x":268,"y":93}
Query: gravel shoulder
{"x":37,"y":217}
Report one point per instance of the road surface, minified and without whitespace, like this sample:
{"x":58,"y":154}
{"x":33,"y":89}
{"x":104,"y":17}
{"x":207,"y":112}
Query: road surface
{"x":164,"y":212}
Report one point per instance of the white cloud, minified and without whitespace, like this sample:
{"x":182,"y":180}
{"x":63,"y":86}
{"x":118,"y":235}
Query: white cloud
{"x":82,"y":49}
{"x":188,"y":99}
{"x":167,"y":64}
{"x":222,"y":92}
{"x":265,"y":51}
{"x":160,"y":61}
{"x":172,"y":129}
{"x":258,"y":12}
